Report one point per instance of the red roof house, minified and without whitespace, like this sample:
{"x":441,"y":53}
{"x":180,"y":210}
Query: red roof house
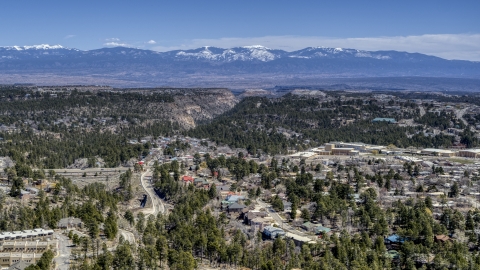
{"x":187,"y":179}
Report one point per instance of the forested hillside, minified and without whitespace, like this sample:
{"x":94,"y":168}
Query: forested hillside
{"x":52,"y":129}
{"x":275,"y":125}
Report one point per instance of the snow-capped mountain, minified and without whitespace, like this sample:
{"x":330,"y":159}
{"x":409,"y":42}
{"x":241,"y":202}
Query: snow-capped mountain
{"x":213,"y":54}
{"x":35,"y":51}
{"x":34,"y":47}
{"x":257,"y":62}
{"x":246,"y":53}
{"x":323,"y":52}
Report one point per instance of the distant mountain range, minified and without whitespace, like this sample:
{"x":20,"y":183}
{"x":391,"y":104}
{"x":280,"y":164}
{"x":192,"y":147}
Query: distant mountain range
{"x":121,"y":65}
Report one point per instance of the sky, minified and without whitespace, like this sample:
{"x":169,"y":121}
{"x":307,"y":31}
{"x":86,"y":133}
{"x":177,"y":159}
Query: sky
{"x":448,"y":29}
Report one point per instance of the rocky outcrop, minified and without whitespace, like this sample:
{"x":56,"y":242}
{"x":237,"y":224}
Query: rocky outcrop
{"x":203,"y":106}
{"x":192,"y":105}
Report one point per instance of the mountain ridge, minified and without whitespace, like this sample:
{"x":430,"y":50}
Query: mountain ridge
{"x":211,"y":66}
{"x":257,"y":52}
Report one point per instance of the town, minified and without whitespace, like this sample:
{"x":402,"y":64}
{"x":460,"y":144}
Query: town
{"x":448,"y":178}
{"x":305,"y":198}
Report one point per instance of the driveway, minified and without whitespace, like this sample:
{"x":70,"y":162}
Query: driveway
{"x":280,"y":221}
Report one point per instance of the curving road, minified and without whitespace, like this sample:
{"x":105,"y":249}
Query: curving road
{"x":62,"y":260}
{"x":157,"y":207}
{"x":128,"y":236}
{"x":157,"y":204}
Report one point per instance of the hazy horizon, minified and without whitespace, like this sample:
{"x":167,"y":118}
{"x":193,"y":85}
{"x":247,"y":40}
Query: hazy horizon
{"x":440,"y":28}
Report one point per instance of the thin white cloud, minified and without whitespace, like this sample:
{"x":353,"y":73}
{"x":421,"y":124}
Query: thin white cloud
{"x":115,"y":44}
{"x":449,"y":46}
{"x":69,"y":36}
{"x":151,"y":42}
{"x":112,"y":39}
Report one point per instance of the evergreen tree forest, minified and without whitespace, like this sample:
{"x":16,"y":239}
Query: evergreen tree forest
{"x":53,"y":132}
{"x":295,"y":122}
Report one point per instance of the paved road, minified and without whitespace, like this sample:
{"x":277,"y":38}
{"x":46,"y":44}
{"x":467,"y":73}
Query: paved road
{"x":459,"y":114}
{"x":157,"y":204}
{"x":91,"y":170}
{"x":422,"y":110}
{"x":280,"y":221}
{"x":62,"y":259}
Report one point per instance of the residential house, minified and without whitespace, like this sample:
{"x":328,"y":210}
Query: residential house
{"x":273,"y":232}
{"x":235,"y":208}
{"x":322,"y":230}
{"x":259,"y":223}
{"x":308,"y":226}
{"x":187,"y":179}
{"x":298,"y":239}
{"x":394,"y":239}
{"x":70,"y":222}
{"x":287,"y":206}
{"x":234,"y":198}
{"x":252,"y":215}
{"x":201,"y":183}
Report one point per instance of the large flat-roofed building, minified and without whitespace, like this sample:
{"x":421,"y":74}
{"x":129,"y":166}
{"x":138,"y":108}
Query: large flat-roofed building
{"x":303,"y":154}
{"x":380,"y":119}
{"x":13,"y":252}
{"x":438,"y":152}
{"x":322,"y":151}
{"x":356,"y":146}
{"x":469,"y":153}
{"x":329,"y":146}
{"x":38,"y":233}
{"x":352,"y":149}
{"x":344,"y":151}
{"x":8,"y":259}
{"x":28,"y":246}
{"x":338,"y":149}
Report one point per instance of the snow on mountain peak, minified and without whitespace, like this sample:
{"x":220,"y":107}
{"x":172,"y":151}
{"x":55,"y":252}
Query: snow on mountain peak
{"x":215,"y":54}
{"x":256,"y":47}
{"x":35,"y":47}
{"x":246,"y":53}
{"x":43,"y":47}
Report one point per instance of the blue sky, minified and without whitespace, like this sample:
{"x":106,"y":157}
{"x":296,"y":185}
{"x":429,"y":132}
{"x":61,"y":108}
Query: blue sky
{"x":449,"y":29}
